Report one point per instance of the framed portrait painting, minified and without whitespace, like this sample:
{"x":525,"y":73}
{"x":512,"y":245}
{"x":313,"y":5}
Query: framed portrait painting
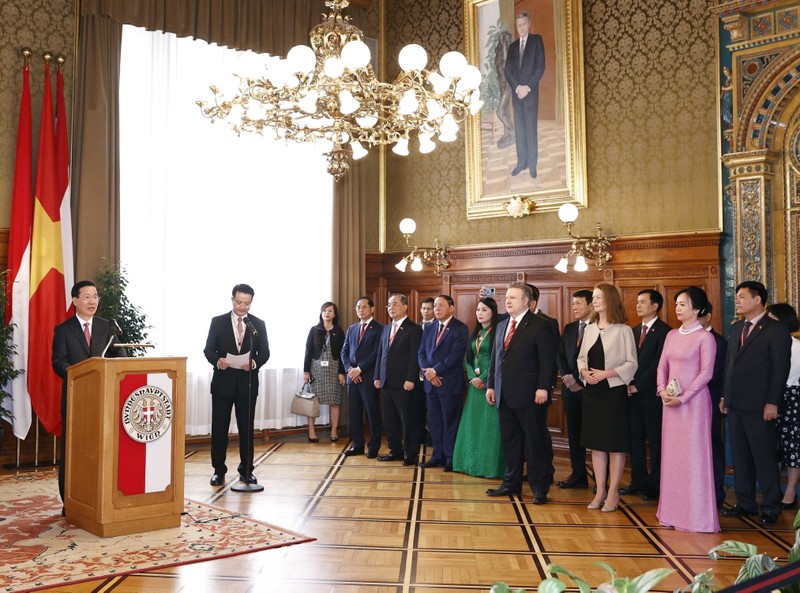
{"x":528,"y":140}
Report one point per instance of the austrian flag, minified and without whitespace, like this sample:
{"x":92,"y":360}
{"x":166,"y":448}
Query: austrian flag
{"x":145,"y":434}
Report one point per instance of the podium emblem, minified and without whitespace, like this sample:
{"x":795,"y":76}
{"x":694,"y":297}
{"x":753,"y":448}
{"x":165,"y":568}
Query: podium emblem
{"x":147,"y":413}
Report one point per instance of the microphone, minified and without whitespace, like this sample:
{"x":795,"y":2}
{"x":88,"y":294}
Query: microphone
{"x":115,"y":327}
{"x":250,"y":326}
{"x":115,"y":331}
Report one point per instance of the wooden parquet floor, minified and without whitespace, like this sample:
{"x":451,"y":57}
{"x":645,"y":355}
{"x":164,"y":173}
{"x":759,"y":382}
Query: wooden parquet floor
{"x":385,"y":528}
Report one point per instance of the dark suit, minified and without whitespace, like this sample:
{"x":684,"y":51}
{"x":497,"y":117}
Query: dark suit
{"x":573,"y":400}
{"x":229,"y":388}
{"x":445,"y":402}
{"x":363,"y":396}
{"x":69,"y":347}
{"x":515,"y":375}
{"x":717,"y":419}
{"x":526,"y":72}
{"x":755,"y":375}
{"x":646,"y":409}
{"x":397,"y":363}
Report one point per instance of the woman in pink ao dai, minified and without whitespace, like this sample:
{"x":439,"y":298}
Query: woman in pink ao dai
{"x":687,"y":501}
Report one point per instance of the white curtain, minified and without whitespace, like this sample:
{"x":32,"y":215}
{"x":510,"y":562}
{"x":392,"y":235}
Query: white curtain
{"x":203,"y":209}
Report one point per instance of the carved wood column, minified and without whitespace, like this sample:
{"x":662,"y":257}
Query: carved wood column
{"x":751,"y":176}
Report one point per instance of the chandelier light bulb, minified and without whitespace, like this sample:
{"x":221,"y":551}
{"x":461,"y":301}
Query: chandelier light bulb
{"x":413,"y":58}
{"x":447,"y":133}
{"x":439,"y":83}
{"x":562,"y":264}
{"x":325,"y":145}
{"x":358,"y":150}
{"x":348,"y":103}
{"x":475,"y":103}
{"x":408,"y":226}
{"x":426,"y":145}
{"x":452,"y":64}
{"x":416,"y":265}
{"x":367,"y":121}
{"x":568,"y":212}
{"x":580,"y":264}
{"x":408,"y":104}
{"x":333,"y":68}
{"x":435,"y":109}
{"x":309,"y":102}
{"x":401,"y":148}
{"x":402,"y":265}
{"x":471,"y":77}
{"x":355,"y":55}
{"x":301,"y":59}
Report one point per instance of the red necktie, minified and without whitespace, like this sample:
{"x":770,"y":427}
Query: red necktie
{"x":240,"y":330}
{"x":361,"y":333}
{"x":394,"y":331}
{"x":439,"y":335}
{"x":87,"y":335}
{"x":642,"y":335}
{"x":510,"y":335}
{"x":745,"y":332}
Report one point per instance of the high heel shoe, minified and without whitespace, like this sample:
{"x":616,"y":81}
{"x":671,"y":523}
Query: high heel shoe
{"x":313,"y":439}
{"x":596,"y":505}
{"x":788,"y":506}
{"x":334,"y":439}
{"x":609,"y":509}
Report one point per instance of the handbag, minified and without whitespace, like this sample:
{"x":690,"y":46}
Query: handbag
{"x":674,"y":388}
{"x":305,"y":403}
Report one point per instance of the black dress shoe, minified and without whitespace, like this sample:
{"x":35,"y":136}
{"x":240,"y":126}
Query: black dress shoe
{"x":448,"y":467}
{"x":372,"y":455}
{"x":736,"y":511}
{"x":768,"y":518}
{"x":217,"y":479}
{"x":503,"y":491}
{"x":539,"y":498}
{"x":353,"y":451}
{"x":409,"y":461}
{"x":573,"y":482}
{"x":628,"y":490}
{"x":517,"y":170}
{"x":243,"y":478}
{"x":63,"y":511}
{"x":648,"y":494}
{"x":434,"y":463}
{"x":390,"y":457}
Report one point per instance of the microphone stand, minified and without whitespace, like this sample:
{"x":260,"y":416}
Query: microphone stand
{"x":247,"y":486}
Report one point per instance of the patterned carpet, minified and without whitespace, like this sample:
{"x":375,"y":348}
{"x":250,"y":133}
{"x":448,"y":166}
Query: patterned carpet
{"x":40,"y":549}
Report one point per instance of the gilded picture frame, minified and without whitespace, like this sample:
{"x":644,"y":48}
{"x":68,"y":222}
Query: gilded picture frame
{"x":494,"y":174}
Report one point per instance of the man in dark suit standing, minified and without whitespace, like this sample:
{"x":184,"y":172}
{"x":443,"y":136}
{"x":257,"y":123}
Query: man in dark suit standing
{"x":572,"y":387}
{"x":523,"y":70}
{"x":759,"y":353}
{"x":645,"y":405}
{"x":78,"y":338}
{"x":359,"y":355}
{"x":235,"y":333}
{"x":520,"y":378}
{"x":397,"y":376}
{"x":441,"y":361}
{"x":717,"y":419}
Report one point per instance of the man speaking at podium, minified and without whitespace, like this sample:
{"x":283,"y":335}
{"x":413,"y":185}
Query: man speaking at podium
{"x":74,"y":340}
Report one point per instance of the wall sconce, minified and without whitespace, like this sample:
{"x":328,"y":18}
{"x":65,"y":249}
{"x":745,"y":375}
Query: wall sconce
{"x":422,"y":256}
{"x":583,"y":248}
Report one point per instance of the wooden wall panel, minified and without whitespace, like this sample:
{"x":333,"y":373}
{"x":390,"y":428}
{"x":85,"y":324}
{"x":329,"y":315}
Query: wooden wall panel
{"x":667,"y":264}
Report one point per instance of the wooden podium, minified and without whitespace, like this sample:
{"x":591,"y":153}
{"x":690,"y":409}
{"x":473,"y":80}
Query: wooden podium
{"x":125,"y":444}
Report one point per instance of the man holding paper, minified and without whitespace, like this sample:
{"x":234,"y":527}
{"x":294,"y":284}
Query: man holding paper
{"x":236,"y":345}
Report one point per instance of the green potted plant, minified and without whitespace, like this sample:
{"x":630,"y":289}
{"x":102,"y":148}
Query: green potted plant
{"x":7,"y":351}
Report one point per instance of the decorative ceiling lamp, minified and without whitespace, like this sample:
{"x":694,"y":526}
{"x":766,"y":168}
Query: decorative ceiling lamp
{"x":328,"y":93}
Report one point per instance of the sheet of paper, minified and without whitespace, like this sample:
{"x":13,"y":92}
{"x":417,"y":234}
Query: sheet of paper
{"x":237,"y":361}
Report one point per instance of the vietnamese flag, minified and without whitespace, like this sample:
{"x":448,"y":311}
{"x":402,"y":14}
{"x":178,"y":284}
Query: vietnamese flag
{"x":48,"y":305}
{"x":19,"y":261}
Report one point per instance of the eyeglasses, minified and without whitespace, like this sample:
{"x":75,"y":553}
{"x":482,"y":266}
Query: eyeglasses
{"x":89,"y":298}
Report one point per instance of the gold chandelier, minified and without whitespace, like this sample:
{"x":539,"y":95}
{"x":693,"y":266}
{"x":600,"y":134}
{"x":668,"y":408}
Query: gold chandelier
{"x":328,"y":93}
{"x":583,"y":248}
{"x":435,"y":257}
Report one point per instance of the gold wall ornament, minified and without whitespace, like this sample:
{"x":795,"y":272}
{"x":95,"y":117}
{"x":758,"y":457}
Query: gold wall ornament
{"x":583,"y":248}
{"x":519,"y":206}
{"x":328,"y":93}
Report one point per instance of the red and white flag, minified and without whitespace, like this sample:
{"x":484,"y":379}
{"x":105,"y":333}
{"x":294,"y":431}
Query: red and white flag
{"x":19,"y":263}
{"x":64,"y":190}
{"x":145,"y":467}
{"x":48,"y":305}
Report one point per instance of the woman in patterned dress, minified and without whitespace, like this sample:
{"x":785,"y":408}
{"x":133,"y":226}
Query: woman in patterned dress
{"x":789,"y":409}
{"x":323,"y":366}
